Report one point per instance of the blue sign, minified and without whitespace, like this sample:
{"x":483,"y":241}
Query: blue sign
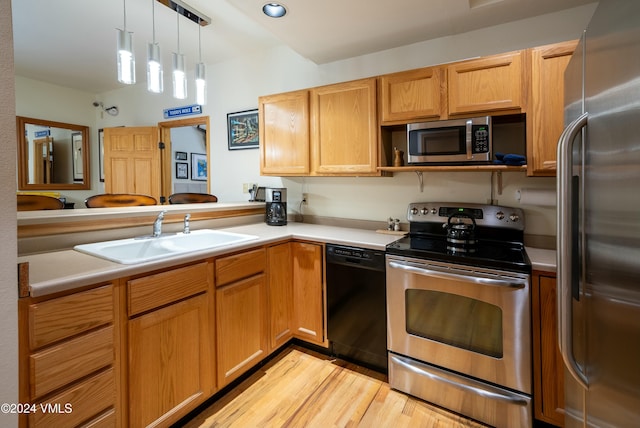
{"x":40,"y":134}
{"x":182,"y":111}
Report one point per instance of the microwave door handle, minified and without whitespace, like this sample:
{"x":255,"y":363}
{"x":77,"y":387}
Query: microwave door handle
{"x":469,"y":135}
{"x":565,"y":240}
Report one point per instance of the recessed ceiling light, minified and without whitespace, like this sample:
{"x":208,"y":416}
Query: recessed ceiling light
{"x":274,"y":10}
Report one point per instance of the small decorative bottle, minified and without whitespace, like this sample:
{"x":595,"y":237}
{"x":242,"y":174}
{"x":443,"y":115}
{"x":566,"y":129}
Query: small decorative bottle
{"x":398,"y":158}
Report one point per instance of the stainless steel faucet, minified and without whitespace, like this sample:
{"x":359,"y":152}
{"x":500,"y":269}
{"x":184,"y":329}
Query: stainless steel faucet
{"x":186,"y":229}
{"x":157,"y":225}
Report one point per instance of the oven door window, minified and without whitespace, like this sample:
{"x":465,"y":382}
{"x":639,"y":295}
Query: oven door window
{"x":455,"y":320}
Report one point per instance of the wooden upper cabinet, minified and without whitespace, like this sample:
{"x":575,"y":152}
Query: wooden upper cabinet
{"x":488,"y":84}
{"x":545,"y":122}
{"x":284,"y":133}
{"x":344,"y":129}
{"x":412,"y":95}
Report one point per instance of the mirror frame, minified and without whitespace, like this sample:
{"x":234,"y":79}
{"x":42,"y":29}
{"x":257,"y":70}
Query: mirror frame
{"x":23,"y":161}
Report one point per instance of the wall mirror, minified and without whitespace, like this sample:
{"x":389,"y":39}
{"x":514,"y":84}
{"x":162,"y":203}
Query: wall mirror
{"x":52,"y":155}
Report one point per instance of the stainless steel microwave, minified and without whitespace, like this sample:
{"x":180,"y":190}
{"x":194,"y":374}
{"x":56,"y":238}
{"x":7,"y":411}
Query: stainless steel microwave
{"x":450,"y":141}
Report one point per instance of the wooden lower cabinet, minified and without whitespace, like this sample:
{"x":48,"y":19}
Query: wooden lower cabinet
{"x":69,"y":364}
{"x":146,"y":350}
{"x":308,"y":292}
{"x":548,"y":367}
{"x":170,"y":345}
{"x":241,"y":323}
{"x":280,"y":296}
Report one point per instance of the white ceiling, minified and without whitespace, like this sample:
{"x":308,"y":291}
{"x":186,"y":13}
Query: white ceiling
{"x":72,"y":42}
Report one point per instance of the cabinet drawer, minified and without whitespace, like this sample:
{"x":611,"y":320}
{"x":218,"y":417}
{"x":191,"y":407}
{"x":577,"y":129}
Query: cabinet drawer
{"x":59,"y":365}
{"x":163,"y":288}
{"x":85,"y":400}
{"x":68,"y":316}
{"x":238,"y":266}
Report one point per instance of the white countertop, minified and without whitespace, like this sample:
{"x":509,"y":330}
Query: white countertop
{"x":68,"y":269}
{"x":542,"y":260}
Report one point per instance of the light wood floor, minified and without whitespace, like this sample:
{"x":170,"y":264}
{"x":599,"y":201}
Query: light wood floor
{"x":300,"y":388}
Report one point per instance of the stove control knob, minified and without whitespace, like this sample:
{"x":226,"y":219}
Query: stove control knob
{"x":424,"y":211}
{"x":414,"y":211}
{"x":500,"y":215}
{"x":434,"y":211}
{"x":514,"y":217}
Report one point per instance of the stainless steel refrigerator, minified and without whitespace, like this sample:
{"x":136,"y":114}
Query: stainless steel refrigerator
{"x":599,"y":222}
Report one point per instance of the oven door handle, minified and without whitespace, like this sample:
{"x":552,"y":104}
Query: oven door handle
{"x":452,"y":273}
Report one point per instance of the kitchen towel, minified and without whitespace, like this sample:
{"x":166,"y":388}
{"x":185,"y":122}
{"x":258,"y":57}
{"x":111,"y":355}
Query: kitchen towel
{"x":510,"y":159}
{"x":538,"y":197}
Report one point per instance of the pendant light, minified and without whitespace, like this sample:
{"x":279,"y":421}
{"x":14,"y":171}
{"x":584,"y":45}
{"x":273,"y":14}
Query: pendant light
{"x":154,"y":64}
{"x":179,"y":75}
{"x":125,"y":58}
{"x":201,"y":83}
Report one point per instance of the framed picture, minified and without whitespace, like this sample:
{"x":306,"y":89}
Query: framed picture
{"x":198,"y":166}
{"x":182,"y":170}
{"x":76,"y":149}
{"x":181,"y":156}
{"x":101,"y":153}
{"x":242,"y":128}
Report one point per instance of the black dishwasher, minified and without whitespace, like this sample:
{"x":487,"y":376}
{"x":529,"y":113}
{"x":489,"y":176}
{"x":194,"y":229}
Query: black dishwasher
{"x":356,"y":305}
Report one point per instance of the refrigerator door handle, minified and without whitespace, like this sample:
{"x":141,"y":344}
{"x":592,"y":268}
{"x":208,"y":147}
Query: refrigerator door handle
{"x":564,"y":245}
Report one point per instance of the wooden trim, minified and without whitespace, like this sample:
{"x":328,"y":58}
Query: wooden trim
{"x":451,"y":168}
{"x":32,"y":230}
{"x":23,"y":279}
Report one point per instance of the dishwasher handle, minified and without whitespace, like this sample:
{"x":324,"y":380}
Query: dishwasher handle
{"x":459,"y":274}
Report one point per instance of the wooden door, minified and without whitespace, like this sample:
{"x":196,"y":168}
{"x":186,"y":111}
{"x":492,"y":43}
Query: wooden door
{"x":344,"y":129}
{"x":412,"y":95}
{"x":279,"y":260}
{"x":545,"y":121}
{"x":308,"y":292}
{"x":241,"y":328}
{"x":132,"y":161}
{"x":170,"y":360}
{"x":43,"y":160}
{"x":284,"y":133}
{"x":489,"y":84}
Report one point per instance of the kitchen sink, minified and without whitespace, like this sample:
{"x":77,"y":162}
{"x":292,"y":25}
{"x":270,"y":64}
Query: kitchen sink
{"x":147,"y":248}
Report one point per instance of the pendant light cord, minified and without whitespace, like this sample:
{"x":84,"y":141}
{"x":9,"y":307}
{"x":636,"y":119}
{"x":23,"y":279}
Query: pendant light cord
{"x":153,"y":20}
{"x":199,"y":44}
{"x":124,"y":13}
{"x":178,"y":21}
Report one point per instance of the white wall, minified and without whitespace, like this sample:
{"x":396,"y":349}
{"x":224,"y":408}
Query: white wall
{"x":187,"y":139}
{"x":9,"y":247}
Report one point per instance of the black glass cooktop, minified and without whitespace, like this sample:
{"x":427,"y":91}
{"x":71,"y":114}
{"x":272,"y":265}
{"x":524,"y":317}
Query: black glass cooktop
{"x":487,"y":253}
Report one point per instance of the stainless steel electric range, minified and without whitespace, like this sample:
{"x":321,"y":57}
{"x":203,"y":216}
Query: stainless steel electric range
{"x":458,"y":311}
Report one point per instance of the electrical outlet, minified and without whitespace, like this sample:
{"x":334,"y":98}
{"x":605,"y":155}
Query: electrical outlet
{"x":305,"y":198}
{"x":245,"y":187}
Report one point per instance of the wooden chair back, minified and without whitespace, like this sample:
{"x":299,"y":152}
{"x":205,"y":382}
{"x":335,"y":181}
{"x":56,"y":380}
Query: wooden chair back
{"x":119,"y":200}
{"x":191,"y":198}
{"x":38,"y":202}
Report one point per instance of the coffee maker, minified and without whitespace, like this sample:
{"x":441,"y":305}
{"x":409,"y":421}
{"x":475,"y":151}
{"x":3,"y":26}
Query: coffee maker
{"x":276,"y":206}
